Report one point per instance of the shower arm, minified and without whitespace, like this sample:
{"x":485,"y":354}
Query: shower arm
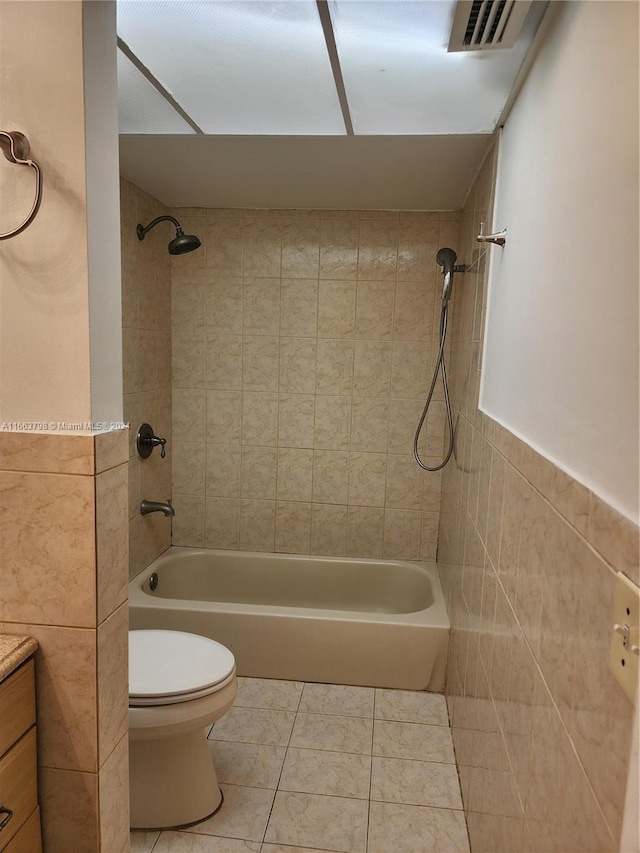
{"x":141,"y":230}
{"x":15,"y":147}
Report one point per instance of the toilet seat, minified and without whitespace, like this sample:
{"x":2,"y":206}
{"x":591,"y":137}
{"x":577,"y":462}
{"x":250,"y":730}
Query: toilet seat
{"x":168,"y":667}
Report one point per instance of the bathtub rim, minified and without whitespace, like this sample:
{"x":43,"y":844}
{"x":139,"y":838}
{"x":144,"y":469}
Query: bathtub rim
{"x":435,"y":615}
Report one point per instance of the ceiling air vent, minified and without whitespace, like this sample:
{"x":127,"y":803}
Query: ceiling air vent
{"x":487,"y":24}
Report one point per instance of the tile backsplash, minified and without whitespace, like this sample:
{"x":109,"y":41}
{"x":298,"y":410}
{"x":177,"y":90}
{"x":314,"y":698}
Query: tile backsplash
{"x":302,"y":344}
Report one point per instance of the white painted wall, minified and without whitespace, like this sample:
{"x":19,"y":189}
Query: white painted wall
{"x":60,"y":327}
{"x":103,"y":209}
{"x":560,"y":363}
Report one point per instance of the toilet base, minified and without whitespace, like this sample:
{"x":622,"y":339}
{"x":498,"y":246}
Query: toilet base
{"x":172,"y":781}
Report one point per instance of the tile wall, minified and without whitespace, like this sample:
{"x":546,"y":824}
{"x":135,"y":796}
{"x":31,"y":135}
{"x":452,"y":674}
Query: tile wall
{"x":146,"y":341}
{"x":64,"y":563}
{"x":528,"y":558}
{"x":302,"y":343}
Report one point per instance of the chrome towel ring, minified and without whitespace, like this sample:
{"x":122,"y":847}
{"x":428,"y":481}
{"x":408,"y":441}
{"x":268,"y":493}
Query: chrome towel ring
{"x":15,"y":147}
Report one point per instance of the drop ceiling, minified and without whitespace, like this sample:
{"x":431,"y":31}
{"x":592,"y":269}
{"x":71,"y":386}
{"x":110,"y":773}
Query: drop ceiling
{"x":314,"y":103}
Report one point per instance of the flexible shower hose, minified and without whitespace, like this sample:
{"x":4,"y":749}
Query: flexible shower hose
{"x":440,"y":363}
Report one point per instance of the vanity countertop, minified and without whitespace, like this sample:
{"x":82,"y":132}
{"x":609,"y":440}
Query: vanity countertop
{"x":14,"y":650}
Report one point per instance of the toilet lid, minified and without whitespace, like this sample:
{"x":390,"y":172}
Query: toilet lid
{"x":163,"y":664}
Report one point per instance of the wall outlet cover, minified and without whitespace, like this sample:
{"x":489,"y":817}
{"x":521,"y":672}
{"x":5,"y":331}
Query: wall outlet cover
{"x":625,"y":632}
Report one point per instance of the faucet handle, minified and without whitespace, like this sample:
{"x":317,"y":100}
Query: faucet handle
{"x":146,"y":440}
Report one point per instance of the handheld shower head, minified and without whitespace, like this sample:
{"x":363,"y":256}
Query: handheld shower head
{"x":181,"y":243}
{"x":446,"y":258}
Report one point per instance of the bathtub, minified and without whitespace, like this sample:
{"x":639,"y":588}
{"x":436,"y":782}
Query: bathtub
{"x":323,"y":619}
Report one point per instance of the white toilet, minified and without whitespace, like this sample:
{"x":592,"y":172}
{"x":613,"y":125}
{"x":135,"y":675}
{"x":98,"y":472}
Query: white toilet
{"x":179,"y":684}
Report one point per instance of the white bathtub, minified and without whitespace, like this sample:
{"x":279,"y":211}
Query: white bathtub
{"x":326,"y":619}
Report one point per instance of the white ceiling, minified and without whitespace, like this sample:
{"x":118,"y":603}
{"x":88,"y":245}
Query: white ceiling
{"x":306,"y":103}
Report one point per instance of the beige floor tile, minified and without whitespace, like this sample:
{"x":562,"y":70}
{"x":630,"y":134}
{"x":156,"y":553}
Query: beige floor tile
{"x":187,"y":842}
{"x":337,"y":699}
{"x":333,"y":823}
{"x":142,"y":842}
{"x":419,"y":783}
{"x":338,"y":774}
{"x":284,"y":848}
{"x":340,"y":734}
{"x":411,"y":706}
{"x":268,"y":693}
{"x":416,"y":829}
{"x":256,"y":765}
{"x":244,"y":814}
{"x":412,"y":740}
{"x":254,"y":725}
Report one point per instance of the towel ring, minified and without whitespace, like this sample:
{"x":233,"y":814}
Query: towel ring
{"x":15,"y":147}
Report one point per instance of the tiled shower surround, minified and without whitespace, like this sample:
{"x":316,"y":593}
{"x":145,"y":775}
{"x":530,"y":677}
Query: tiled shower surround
{"x":302,"y":344}
{"x":146,"y":343}
{"x":527,"y":556}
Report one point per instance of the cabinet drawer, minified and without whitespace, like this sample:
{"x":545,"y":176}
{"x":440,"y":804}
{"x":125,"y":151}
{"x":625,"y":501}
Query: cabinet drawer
{"x":29,"y":839}
{"x":17,"y":705}
{"x":18,"y":788}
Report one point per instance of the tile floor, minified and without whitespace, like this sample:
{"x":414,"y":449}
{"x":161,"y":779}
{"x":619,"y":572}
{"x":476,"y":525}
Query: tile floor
{"x":313,"y":768}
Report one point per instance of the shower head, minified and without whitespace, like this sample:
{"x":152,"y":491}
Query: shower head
{"x":446,"y":258}
{"x":181,"y":243}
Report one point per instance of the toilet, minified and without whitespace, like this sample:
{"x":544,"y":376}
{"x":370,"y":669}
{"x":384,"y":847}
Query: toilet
{"x":179,"y":684}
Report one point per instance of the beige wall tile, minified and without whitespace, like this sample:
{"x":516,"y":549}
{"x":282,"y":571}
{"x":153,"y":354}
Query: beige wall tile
{"x":188,"y":523}
{"x":378,"y":250}
{"x":49,"y":559}
{"x":223,"y":471}
{"x":262,"y":247}
{"x":301,"y":248}
{"x":365,"y":531}
{"x":187,"y":301}
{"x":293,"y":527}
{"x":189,"y":414}
{"x":54,"y":454}
{"x":328,"y":529}
{"x":223,"y":306}
{"x":370,"y":424}
{"x":374,"y":310}
{"x":259,"y":467}
{"x":367,"y":477}
{"x":298,"y":365}
{"x":112,"y":539}
{"x":372,"y":368}
{"x":330,"y":476}
{"x":299,"y":307}
{"x":224,"y":362}
{"x":401,"y":534}
{"x":224,"y":417}
{"x":261,"y":306}
{"x":404,"y":483}
{"x":188,"y":359}
{"x":113,"y":688}
{"x":615,"y":538}
{"x":336,"y":309}
{"x":224,"y":247}
{"x":257,"y":525}
{"x":111,"y":449}
{"x":260,"y":363}
{"x":70,"y":806}
{"x":188,"y":463}
{"x":113,"y":789}
{"x":334,"y":367}
{"x":222,"y":523}
{"x":418,"y":244}
{"x":260,"y":418}
{"x":413,"y":311}
{"x":410,"y":370}
{"x":295,"y":474}
{"x":338,"y":249}
{"x":296,"y":420}
{"x":332,"y":423}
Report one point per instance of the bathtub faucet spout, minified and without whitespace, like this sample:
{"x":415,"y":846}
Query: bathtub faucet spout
{"x":156,"y":506}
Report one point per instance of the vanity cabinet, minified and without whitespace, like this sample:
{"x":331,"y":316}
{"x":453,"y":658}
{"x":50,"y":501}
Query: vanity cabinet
{"x":19,"y":812}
